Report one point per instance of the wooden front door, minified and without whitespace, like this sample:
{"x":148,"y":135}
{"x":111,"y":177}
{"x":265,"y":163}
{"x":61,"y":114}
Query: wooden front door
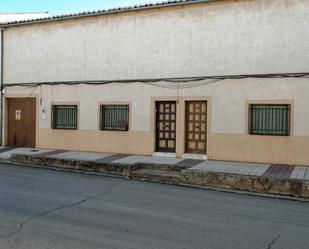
{"x":21,"y":122}
{"x":166,"y":126}
{"x":196,"y":127}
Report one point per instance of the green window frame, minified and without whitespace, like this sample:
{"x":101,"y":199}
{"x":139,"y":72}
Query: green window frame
{"x":64,"y":117}
{"x":269,"y":119}
{"x":114,"y":117}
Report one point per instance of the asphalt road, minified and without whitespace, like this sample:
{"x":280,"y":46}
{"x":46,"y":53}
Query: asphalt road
{"x":50,"y":209}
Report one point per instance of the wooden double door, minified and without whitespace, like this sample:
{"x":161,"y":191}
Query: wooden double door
{"x":195,"y":126}
{"x":21,"y":122}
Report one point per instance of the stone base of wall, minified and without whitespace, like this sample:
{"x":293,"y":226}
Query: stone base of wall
{"x":170,"y":174}
{"x":259,"y":184}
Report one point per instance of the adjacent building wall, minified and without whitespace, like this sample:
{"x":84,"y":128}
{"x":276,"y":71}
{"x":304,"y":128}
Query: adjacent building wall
{"x":1,"y":83}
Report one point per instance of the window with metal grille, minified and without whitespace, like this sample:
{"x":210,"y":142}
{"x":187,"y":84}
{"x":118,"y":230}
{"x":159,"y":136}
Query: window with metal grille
{"x":64,"y":117}
{"x":114,"y":117}
{"x":269,"y":120}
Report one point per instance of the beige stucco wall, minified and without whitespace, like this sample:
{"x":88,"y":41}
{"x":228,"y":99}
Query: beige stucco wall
{"x":264,"y":149}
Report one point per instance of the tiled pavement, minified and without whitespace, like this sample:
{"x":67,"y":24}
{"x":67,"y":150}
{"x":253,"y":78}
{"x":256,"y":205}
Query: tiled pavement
{"x":233,"y":167}
{"x":253,"y":169}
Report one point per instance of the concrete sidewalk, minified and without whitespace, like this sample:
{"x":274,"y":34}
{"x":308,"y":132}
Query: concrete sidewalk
{"x":263,"y":178}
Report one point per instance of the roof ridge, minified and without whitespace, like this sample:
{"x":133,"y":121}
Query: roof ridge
{"x":135,"y":7}
{"x":22,"y":13}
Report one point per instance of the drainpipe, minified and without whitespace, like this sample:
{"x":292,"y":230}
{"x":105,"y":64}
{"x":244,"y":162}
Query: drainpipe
{"x":1,"y":88}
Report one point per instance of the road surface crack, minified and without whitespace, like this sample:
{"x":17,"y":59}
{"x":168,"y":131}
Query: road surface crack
{"x":22,"y":224}
{"x":271,"y":243}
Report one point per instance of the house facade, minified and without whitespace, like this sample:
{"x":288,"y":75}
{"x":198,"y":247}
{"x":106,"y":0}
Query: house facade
{"x":226,"y":80}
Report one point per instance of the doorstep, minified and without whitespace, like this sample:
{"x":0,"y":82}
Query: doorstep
{"x":285,"y":180}
{"x":164,"y":154}
{"x":195,"y":156}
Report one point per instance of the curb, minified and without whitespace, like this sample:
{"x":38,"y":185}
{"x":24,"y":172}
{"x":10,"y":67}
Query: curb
{"x":222,"y":190}
{"x":257,"y":184}
{"x":289,"y":189}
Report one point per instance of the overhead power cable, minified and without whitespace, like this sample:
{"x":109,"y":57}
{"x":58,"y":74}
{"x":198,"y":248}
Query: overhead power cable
{"x":157,"y":81}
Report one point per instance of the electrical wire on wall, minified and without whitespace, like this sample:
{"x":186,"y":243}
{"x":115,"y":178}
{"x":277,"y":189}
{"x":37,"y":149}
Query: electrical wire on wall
{"x":182,"y":85}
{"x":178,"y":92}
{"x":33,"y":89}
{"x":52,"y":93}
{"x":171,"y":83}
{"x":41,"y":97}
{"x":15,"y":88}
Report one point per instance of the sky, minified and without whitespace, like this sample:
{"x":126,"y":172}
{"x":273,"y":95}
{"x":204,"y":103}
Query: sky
{"x":64,"y":6}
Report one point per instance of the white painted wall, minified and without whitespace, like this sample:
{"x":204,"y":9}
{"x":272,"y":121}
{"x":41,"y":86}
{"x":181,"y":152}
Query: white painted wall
{"x":242,"y":37}
{"x":225,"y":37}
